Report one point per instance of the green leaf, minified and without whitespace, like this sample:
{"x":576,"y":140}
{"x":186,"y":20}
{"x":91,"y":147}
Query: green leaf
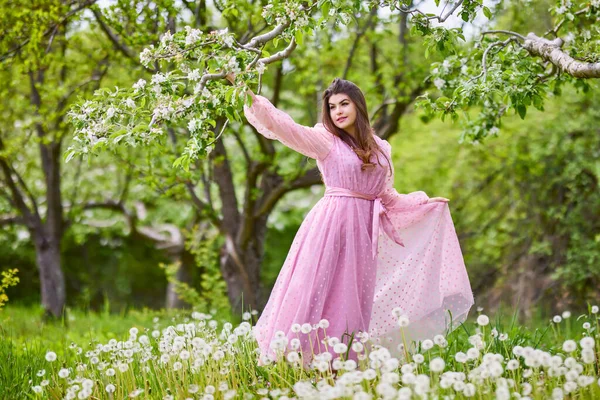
{"x":229,"y":94}
{"x":178,"y":161}
{"x":299,"y":36}
{"x":69,"y":156}
{"x":522,"y":110}
{"x":325,"y":9}
{"x":487,"y":12}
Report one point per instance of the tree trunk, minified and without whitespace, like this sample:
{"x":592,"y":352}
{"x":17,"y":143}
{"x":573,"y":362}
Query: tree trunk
{"x":243,"y":284}
{"x":52,"y":280}
{"x":184,"y":275}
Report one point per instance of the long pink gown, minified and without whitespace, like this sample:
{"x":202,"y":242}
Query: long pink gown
{"x":362,"y":251}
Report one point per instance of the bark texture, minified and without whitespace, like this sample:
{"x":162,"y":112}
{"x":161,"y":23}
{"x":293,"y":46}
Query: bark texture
{"x":551,"y":50}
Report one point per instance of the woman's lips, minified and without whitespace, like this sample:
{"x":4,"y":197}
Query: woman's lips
{"x":341,"y":119}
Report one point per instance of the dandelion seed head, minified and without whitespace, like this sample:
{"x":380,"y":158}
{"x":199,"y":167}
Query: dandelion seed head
{"x":293,"y":357}
{"x":357,"y":347}
{"x":419,"y":358}
{"x":437,"y":364}
{"x":306,"y":328}
{"x":340,"y":348}
{"x":461,"y":357}
{"x":350,"y":365}
{"x":569,"y":346}
{"x":472,"y":353}
{"x":427,"y":344}
{"x":403,"y":321}
{"x":483,"y":320}
{"x":587,"y":343}
{"x":50,"y":356}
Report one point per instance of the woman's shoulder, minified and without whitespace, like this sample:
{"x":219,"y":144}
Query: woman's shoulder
{"x":320,"y":127}
{"x":382,"y":142}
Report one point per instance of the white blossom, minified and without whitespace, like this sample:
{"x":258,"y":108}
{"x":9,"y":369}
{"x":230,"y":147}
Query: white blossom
{"x":166,"y":38}
{"x":158,"y":78}
{"x":146,"y":56}
{"x":194,"y":75}
{"x":439,"y":83}
{"x":140,"y":84}
{"x":192,"y":36}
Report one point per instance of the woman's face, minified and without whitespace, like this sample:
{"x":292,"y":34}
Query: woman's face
{"x":342,"y":111}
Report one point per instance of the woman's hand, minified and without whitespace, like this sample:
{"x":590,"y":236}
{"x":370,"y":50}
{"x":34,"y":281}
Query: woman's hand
{"x":231,"y":78}
{"x":441,"y":199}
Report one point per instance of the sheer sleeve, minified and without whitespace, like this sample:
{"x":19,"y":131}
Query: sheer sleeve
{"x":315,"y":142}
{"x":392,"y":199}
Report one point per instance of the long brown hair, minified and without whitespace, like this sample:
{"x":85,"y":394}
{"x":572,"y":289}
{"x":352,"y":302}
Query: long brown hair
{"x":364,"y":144}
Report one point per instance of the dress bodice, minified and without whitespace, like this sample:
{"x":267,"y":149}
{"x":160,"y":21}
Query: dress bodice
{"x":342,"y":168}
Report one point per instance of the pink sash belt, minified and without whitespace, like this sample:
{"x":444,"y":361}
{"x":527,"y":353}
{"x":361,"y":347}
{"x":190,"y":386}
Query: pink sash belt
{"x":380,"y":216}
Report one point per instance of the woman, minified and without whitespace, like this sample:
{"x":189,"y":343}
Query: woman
{"x":364,"y":250}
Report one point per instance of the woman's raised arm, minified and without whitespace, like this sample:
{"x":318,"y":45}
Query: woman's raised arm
{"x":272,"y":123}
{"x":314,"y":142}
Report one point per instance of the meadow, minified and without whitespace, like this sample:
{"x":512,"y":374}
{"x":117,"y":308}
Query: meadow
{"x":211,"y":355}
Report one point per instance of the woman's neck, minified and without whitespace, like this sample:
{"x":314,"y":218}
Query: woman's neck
{"x":351,"y":131}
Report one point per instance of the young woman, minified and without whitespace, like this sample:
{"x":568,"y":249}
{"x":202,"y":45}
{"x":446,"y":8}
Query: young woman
{"x":366,"y":260}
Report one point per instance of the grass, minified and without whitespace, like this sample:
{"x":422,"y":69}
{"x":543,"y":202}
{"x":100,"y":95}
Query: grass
{"x":159,"y":355}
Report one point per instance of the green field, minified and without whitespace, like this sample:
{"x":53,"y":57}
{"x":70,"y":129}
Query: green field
{"x":159,"y":355}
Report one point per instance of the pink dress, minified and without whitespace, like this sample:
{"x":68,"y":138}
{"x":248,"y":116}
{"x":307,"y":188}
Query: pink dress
{"x":361,"y":252}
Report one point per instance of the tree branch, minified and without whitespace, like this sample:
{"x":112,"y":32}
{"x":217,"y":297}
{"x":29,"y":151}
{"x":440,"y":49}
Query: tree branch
{"x":117,"y":42}
{"x":440,"y":18}
{"x":359,"y":35}
{"x":51,"y":30}
{"x":172,"y":242}
{"x":17,"y":197}
{"x":551,"y":50}
{"x":307,"y":179}
{"x":11,"y":220}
